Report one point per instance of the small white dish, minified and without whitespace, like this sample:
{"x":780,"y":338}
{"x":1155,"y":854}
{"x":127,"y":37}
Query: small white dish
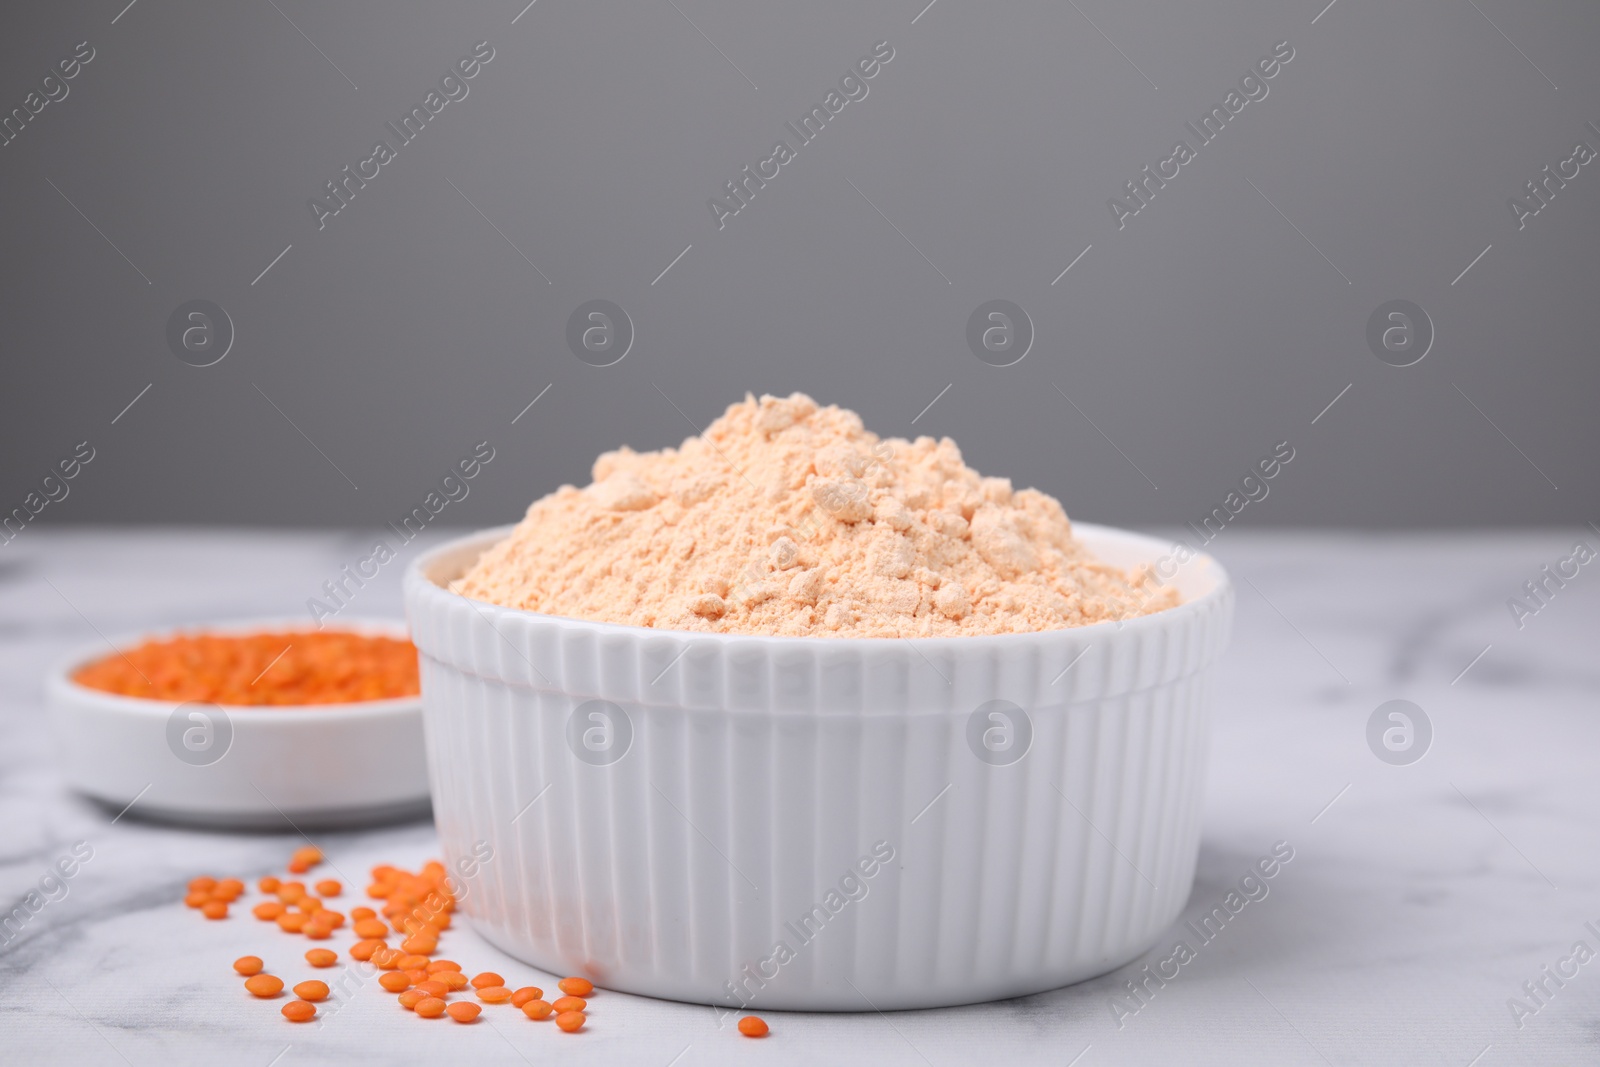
{"x":277,"y":767}
{"x":811,"y":823}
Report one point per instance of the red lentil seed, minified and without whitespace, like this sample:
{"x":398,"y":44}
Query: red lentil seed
{"x":418,"y":905}
{"x":577,"y":987}
{"x":311,"y":989}
{"x":304,"y":859}
{"x":264,"y":985}
{"x":370,"y":928}
{"x":363,"y":950}
{"x":299,"y":1011}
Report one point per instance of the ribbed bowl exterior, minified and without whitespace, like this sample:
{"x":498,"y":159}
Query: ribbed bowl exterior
{"x":812,"y":823}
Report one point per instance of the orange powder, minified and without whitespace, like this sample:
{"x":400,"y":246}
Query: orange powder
{"x":330,"y":667}
{"x":789,"y":518}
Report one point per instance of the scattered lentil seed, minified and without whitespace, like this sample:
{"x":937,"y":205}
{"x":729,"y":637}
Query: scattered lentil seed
{"x":753,"y":1026}
{"x":537,"y":1009}
{"x":525,"y":994}
{"x":264,"y":985}
{"x":304,"y":859}
{"x":571,"y":1021}
{"x":578,"y":987}
{"x":566,"y":1004}
{"x":311,"y":989}
{"x":299,"y":1011}
{"x":363,"y":950}
{"x":371,"y":928}
{"x":419,"y":905}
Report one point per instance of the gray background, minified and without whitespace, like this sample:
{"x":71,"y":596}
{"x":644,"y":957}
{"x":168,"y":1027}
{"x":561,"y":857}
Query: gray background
{"x":1191,"y":341}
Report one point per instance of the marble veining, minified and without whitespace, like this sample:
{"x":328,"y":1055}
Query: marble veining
{"x":1418,"y":902}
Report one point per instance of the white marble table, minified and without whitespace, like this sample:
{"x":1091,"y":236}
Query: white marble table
{"x":1419,"y":901}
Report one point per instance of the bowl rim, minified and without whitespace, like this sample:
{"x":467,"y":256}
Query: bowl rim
{"x":61,"y":685}
{"x":1221,"y":590}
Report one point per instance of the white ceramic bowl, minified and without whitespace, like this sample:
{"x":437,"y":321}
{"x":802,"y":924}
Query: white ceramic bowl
{"x":808,"y":823}
{"x":277,"y":767}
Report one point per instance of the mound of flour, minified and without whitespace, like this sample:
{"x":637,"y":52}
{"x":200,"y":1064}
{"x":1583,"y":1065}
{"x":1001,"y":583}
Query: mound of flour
{"x":789,"y":518}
